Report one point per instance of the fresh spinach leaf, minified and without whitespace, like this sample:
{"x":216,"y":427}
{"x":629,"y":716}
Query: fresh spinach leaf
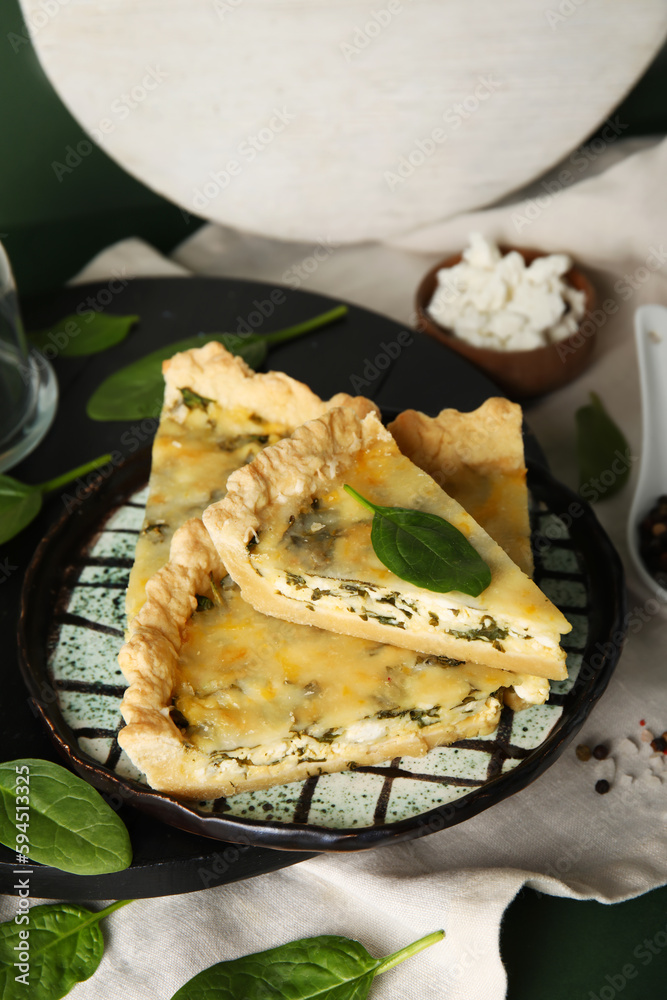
{"x":76,"y":336}
{"x":20,"y":503}
{"x":308,"y":325}
{"x":70,"y":826}
{"x":63,"y":944}
{"x":603,"y":453}
{"x":136,"y":391}
{"x":425,"y":550}
{"x":329,"y":967}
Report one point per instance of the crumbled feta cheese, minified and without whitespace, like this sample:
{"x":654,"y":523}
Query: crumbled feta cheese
{"x":496,"y":301}
{"x":366,"y":731}
{"x":532,"y":690}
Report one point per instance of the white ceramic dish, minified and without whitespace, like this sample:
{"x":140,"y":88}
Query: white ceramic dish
{"x":651,"y":339}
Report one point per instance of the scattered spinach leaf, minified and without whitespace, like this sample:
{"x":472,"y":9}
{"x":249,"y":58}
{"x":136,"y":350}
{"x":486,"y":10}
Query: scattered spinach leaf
{"x":425,"y":550}
{"x":602,"y":452}
{"x":136,"y":391}
{"x":80,"y":336}
{"x":70,"y":825}
{"x":331,"y":967}
{"x":193,"y":400}
{"x":65,"y":948}
{"x":20,"y":503}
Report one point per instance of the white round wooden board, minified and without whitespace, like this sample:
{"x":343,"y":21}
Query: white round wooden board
{"x":339,"y":119}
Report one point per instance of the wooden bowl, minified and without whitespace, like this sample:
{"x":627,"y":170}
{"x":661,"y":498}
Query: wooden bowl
{"x":522,"y":374}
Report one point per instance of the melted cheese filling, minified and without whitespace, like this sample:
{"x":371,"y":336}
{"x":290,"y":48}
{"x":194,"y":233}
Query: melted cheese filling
{"x":247,"y":680}
{"x":497,"y":501}
{"x":198,"y":453}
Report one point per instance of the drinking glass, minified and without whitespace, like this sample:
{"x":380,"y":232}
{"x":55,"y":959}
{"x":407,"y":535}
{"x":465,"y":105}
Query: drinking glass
{"x":28,"y":387}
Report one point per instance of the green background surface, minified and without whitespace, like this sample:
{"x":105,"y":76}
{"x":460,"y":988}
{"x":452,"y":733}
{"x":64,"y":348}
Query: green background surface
{"x":51,"y":226}
{"x":554,"y":949}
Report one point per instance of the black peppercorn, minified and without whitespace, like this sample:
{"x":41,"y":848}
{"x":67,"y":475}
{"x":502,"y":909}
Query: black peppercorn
{"x":653,"y":541}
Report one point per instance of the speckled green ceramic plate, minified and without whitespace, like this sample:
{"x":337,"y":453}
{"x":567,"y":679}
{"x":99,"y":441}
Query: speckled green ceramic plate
{"x":576,"y":567}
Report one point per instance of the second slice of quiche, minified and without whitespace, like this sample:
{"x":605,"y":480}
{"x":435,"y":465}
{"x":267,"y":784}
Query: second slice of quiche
{"x":223,"y":699}
{"x":478,"y":459}
{"x":300,"y":549}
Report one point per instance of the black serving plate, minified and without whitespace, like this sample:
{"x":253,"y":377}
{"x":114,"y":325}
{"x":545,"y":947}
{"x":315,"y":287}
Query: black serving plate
{"x":578,"y":559}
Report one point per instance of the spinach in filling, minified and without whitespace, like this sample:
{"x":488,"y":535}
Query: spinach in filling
{"x":422,"y":716}
{"x":330,"y":736}
{"x":155,"y":528}
{"x":383,"y":619}
{"x":313,"y":537}
{"x":178,"y":718}
{"x":242,"y":440}
{"x":193,"y":400}
{"x":489,"y":631}
{"x":442,"y":661}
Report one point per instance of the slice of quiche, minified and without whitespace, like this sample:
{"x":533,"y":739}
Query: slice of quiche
{"x":478,"y":459}
{"x":300,"y":549}
{"x":223,"y":699}
{"x":216,"y":416}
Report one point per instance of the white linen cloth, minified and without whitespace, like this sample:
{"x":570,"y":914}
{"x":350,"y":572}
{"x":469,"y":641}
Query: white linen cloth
{"x":558,"y":836}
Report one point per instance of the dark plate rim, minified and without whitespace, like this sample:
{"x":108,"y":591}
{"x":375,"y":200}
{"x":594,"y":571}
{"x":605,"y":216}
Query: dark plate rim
{"x":607,"y":622}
